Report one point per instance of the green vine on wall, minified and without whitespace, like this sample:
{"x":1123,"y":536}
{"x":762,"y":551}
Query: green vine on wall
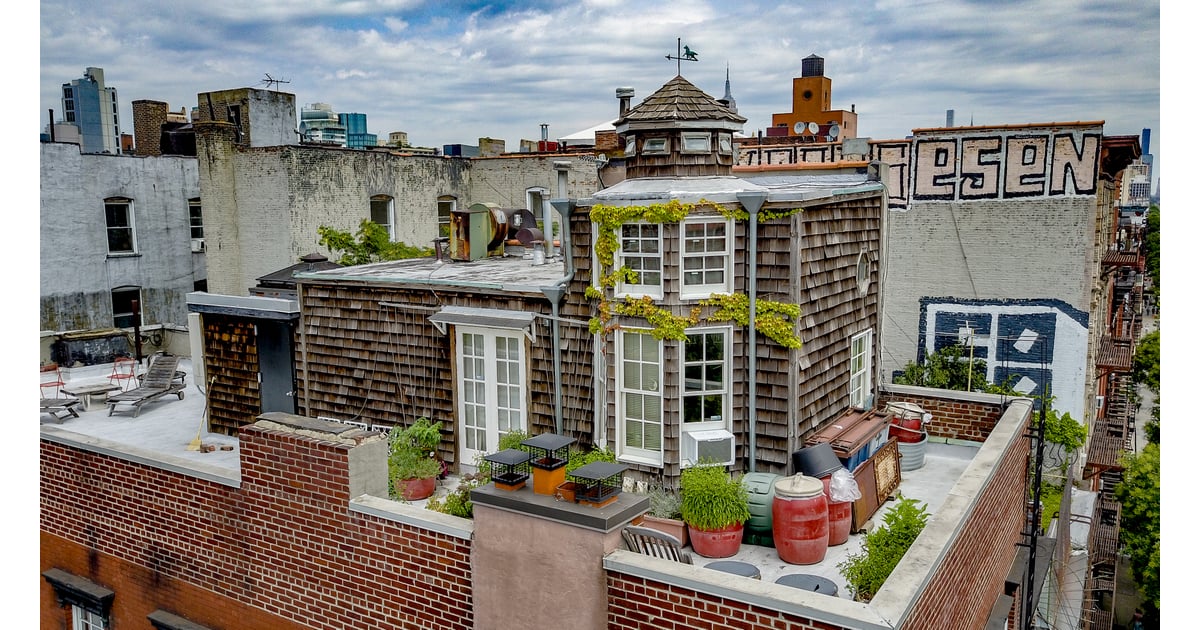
{"x":775,"y":320}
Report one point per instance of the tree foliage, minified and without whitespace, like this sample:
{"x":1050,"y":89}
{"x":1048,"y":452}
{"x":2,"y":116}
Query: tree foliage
{"x":1138,"y":493}
{"x":950,"y":368}
{"x":1145,"y":361}
{"x":1152,"y":246}
{"x":370,"y":244}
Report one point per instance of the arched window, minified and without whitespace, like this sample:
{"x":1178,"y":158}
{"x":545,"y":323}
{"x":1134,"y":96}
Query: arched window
{"x":383,"y":212}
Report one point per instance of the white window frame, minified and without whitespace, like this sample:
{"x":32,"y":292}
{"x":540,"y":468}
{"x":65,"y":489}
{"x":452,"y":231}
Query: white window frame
{"x":84,"y":619}
{"x":724,"y":390}
{"x":862,"y":273}
{"x":861,"y":349}
{"x":705,"y":289}
{"x":696,"y":142}
{"x":130,"y":226}
{"x":725,"y":143}
{"x":648,"y":385}
{"x":494,"y":387}
{"x":389,"y":211}
{"x":630,"y":146}
{"x":196,"y":218}
{"x":443,"y":219}
{"x":656,"y":146}
{"x":622,"y":259}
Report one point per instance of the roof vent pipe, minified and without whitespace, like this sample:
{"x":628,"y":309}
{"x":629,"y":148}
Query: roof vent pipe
{"x":624,"y":95}
{"x":545,"y":131}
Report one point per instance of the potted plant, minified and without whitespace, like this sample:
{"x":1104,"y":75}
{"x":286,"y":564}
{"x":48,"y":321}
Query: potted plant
{"x":664,"y":514}
{"x":412,"y":462}
{"x":715,"y":506}
{"x":882,"y":549}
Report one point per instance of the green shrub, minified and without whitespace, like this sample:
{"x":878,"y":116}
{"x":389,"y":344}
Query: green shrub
{"x":866,"y":571}
{"x":664,"y":502}
{"x":458,"y":501}
{"x":711,"y":499}
{"x":579,"y":457}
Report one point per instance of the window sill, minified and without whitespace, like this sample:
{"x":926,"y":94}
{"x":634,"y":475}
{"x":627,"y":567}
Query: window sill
{"x":643,"y":461}
{"x":124,"y":255}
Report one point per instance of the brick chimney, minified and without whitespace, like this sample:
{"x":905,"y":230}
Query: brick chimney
{"x":148,"y":119}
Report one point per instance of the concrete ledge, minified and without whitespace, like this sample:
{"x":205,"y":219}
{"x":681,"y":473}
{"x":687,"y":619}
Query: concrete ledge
{"x":818,"y":607}
{"x":525,"y":501}
{"x":390,"y":510}
{"x":950,"y":394}
{"x":216,"y":474}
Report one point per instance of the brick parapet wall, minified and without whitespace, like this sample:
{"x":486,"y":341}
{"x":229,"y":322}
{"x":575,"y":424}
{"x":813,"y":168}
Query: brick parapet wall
{"x":955,"y":415}
{"x":283,"y":550}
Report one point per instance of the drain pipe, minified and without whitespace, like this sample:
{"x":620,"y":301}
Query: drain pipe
{"x":752,"y":200}
{"x":555,"y":292}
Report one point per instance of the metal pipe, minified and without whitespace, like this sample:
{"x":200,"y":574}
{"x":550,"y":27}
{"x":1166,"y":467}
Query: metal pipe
{"x":752,"y":200}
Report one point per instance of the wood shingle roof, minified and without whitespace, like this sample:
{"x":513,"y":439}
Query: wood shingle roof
{"x":679,"y":100}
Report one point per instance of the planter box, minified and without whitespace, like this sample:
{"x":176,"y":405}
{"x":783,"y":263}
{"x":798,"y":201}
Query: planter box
{"x":670,"y":526}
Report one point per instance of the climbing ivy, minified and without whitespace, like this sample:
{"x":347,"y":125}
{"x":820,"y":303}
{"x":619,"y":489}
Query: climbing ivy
{"x":775,"y":320}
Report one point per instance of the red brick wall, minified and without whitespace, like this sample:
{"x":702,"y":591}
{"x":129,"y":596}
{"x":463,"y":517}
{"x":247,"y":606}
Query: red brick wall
{"x":955,"y":419}
{"x":979,"y":559}
{"x":283,"y":550}
{"x":636,"y":603}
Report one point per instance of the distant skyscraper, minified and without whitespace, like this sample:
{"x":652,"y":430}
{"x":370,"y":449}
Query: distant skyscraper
{"x":92,"y":107}
{"x":356,"y":131}
{"x":319,"y":123}
{"x":728,"y":98}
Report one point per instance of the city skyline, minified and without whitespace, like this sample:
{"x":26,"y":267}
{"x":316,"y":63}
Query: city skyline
{"x":454,"y":72}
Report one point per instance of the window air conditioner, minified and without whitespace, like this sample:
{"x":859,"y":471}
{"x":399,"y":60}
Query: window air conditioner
{"x":715,"y":446}
{"x":197,"y":245}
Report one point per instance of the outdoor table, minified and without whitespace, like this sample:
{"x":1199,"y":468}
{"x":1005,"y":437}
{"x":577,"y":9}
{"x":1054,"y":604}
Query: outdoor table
{"x":87,"y":393}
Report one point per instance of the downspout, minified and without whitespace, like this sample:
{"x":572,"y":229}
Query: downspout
{"x":555,"y":292}
{"x":752,"y":201}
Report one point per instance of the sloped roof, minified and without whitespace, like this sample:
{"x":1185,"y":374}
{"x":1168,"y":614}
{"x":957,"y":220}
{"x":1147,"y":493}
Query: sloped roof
{"x":679,"y":100}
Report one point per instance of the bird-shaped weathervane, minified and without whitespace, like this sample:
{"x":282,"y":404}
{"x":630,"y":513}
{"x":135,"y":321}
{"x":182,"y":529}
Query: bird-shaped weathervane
{"x":682,"y":53}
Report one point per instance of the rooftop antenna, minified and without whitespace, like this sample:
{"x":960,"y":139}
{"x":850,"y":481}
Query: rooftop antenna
{"x":682,"y":53}
{"x":272,"y":81}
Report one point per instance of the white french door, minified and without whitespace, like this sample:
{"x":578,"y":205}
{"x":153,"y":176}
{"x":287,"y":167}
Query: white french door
{"x":492,"y":393}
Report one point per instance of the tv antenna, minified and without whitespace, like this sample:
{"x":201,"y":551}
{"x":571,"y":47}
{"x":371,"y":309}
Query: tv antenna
{"x":272,"y":81}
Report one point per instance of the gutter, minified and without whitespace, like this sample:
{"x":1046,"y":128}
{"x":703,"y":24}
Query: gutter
{"x":558,"y":290}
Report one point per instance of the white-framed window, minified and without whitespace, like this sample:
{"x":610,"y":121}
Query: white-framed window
{"x":641,"y":251}
{"x":491,"y":385}
{"x":705,"y":257}
{"x":118,"y":218}
{"x":83,"y":619}
{"x":705,"y":388}
{"x":196,"y":218}
{"x":630,"y":146}
{"x":655,"y":145}
{"x":639,"y":397}
{"x":383,"y":212}
{"x":123,"y":299}
{"x":446,"y":205}
{"x":862,"y":273}
{"x":860,"y":370}
{"x":725,"y":143}
{"x":696,"y":142}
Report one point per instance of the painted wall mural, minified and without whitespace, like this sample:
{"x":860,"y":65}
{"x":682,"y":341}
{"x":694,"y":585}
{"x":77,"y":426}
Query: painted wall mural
{"x":974,"y":164}
{"x":1038,"y":346}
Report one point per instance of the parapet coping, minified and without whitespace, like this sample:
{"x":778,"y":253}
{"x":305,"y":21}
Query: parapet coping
{"x":526,"y":502}
{"x":101,"y":446}
{"x":390,"y":510}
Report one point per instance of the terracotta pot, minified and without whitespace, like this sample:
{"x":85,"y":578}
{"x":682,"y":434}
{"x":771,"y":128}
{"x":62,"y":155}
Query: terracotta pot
{"x":717,"y":543}
{"x":415,"y":489}
{"x":565,"y":491}
{"x":671,"y":526}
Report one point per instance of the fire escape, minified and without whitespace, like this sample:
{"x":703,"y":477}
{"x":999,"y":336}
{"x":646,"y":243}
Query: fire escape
{"x":1114,"y":431}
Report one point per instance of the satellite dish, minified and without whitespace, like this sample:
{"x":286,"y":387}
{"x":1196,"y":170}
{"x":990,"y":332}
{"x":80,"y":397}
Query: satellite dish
{"x":834,"y":130}
{"x":813,"y":128}
{"x":800,"y":127}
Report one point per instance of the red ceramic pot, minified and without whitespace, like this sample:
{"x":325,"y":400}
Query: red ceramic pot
{"x":717,"y":543}
{"x":415,"y":489}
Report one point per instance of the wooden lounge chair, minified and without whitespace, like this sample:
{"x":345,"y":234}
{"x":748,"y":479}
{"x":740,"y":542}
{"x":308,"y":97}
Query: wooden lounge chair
{"x":652,"y":542}
{"x":159,"y":381}
{"x":64,"y":406}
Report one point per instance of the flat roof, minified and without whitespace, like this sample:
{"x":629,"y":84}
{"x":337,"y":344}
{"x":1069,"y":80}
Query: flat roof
{"x":509,"y":272}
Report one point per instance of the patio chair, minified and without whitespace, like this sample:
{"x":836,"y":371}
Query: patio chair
{"x":159,"y":381}
{"x":63,"y":406}
{"x":51,"y":376}
{"x":652,"y":542}
{"x":123,"y":372}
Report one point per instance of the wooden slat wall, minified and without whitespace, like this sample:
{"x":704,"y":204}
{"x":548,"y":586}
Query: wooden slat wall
{"x":232,"y":362}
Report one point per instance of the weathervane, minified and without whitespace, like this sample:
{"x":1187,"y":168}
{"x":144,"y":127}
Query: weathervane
{"x":271,"y":81}
{"x":682,"y":53}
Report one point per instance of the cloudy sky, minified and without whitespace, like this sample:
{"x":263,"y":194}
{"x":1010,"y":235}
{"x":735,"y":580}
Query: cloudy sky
{"x":452,"y":72}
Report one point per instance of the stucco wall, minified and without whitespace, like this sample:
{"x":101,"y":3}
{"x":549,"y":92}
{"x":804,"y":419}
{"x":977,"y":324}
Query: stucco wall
{"x":77,"y":272}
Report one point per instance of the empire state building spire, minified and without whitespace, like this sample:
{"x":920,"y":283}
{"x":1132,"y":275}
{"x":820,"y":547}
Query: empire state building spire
{"x":728,"y":98}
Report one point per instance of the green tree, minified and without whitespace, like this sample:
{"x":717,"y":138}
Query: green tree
{"x":371,"y":245}
{"x":1145,"y":361}
{"x":951,"y":368}
{"x":1138,"y":493}
{"x":1152,"y":246}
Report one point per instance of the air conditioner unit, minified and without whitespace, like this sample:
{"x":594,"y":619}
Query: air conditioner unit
{"x":197,"y":245}
{"x":715,"y":446}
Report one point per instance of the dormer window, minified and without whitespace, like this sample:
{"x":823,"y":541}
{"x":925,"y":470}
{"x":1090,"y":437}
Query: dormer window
{"x":694,"y":142}
{"x":725,"y":143}
{"x":630,"y":146}
{"x":655,"y":145}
